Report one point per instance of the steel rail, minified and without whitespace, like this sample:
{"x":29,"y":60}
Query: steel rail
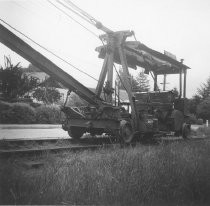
{"x":41,"y":151}
{"x":74,"y":148}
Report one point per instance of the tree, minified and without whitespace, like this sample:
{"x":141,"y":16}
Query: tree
{"x":204,"y":90}
{"x":47,"y":95}
{"x":134,"y":83}
{"x":13,"y":82}
{"x":193,"y":103}
{"x":139,"y":83}
{"x":197,"y":104}
{"x":203,"y":109}
{"x":47,"y":92}
{"x":143,"y":82}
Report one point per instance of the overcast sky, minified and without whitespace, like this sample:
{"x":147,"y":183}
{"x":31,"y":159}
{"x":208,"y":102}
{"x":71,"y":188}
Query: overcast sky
{"x":181,"y":27}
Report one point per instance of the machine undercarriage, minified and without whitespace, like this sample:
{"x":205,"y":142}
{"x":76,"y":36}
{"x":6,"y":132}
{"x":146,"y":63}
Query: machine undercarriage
{"x":157,"y":111}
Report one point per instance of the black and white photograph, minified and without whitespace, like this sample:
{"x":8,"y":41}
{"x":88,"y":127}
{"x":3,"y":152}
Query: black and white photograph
{"x":105,"y":102}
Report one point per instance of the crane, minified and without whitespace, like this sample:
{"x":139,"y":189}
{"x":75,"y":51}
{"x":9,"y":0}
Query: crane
{"x":163,"y":113}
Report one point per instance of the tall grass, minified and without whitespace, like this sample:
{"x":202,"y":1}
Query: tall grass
{"x":175,"y":174}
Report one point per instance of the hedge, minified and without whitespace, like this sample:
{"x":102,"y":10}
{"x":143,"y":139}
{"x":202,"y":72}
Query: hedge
{"x":17,"y":113}
{"x":49,"y":115}
{"x":22,"y":113}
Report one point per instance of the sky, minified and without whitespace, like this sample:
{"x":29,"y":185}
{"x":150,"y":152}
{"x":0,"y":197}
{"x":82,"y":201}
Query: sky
{"x":181,"y":27}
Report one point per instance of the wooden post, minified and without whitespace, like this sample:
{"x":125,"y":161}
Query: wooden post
{"x":155,"y":82}
{"x":102,"y":76}
{"x":134,"y":113}
{"x":110,"y":75}
{"x":115,"y":93}
{"x":180,"y":83}
{"x":164,"y":82}
{"x":185,"y":81}
{"x":118,"y":94}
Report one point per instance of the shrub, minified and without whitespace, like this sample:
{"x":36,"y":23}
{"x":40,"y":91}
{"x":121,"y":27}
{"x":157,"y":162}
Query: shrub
{"x":200,"y":121}
{"x":46,"y":114}
{"x":192,"y":119}
{"x":203,"y":109}
{"x":4,"y":106}
{"x":4,"y":109}
{"x":16,"y":113}
{"x":35,"y":105}
{"x":22,"y":113}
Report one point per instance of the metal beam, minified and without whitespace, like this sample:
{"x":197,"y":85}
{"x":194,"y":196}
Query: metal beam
{"x":102,"y":76}
{"x":110,"y":75}
{"x":127,"y":85}
{"x":16,"y":44}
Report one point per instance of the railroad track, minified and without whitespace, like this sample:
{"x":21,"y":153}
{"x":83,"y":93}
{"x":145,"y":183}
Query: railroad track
{"x":22,"y":142}
{"x":41,"y":151}
{"x":74,"y":146}
{"x":10,"y":148}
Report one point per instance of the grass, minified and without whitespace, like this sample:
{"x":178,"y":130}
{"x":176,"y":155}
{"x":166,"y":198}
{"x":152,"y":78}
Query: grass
{"x":174,"y":174}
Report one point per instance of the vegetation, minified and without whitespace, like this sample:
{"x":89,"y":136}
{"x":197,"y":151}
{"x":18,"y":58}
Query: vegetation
{"x":22,"y":113}
{"x":175,"y":174}
{"x":142,"y":82}
{"x":193,"y":103}
{"x":13,"y":82}
{"x":204,"y":90}
{"x":49,"y":115}
{"x":200,"y":103}
{"x":16,"y":113}
{"x":203,"y":109}
{"x":47,"y":95}
{"x":47,"y":92}
{"x":138,"y":83}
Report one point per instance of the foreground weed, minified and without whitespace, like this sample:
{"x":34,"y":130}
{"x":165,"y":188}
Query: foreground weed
{"x":175,"y":174}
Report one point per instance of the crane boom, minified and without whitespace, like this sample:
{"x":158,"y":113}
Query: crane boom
{"x":16,"y":44}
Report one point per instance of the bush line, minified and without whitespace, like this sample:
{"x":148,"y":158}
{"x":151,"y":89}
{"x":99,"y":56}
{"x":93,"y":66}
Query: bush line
{"x":23,"y":113}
